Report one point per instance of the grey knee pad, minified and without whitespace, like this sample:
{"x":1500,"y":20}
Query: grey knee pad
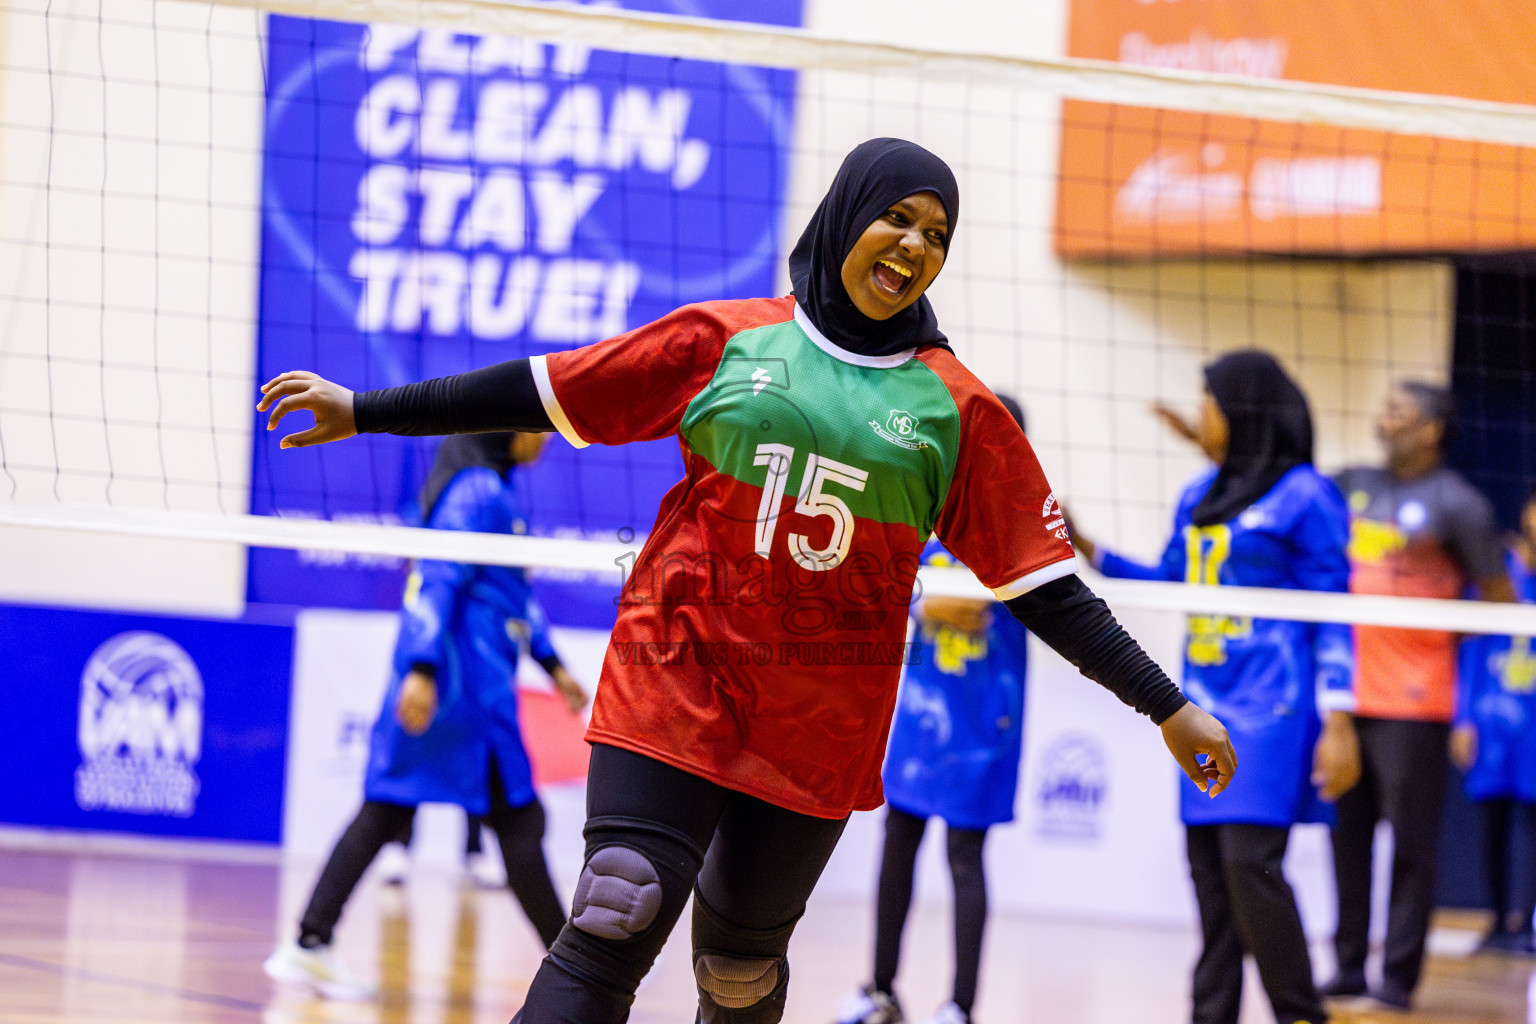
{"x":736,"y":982}
{"x":741,"y":972}
{"x":618,"y":895}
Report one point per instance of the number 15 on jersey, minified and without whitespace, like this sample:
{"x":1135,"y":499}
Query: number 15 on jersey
{"x":814,"y":500}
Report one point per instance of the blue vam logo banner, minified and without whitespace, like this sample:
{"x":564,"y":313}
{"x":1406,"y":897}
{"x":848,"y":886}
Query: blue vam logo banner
{"x":155,"y":725}
{"x":436,"y":201}
{"x":141,"y":727}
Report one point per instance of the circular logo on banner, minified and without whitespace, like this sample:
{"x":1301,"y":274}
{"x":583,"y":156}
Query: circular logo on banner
{"x":1073,"y":789}
{"x":141,"y":727}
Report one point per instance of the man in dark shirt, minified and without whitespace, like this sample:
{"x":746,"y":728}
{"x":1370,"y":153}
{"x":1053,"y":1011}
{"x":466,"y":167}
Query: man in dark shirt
{"x":1417,"y":529}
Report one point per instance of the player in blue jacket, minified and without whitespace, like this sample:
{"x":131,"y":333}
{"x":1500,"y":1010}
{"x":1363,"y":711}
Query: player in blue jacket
{"x":448,"y":729}
{"x":954,"y":754}
{"x":1264,"y":517}
{"x":1494,"y":743}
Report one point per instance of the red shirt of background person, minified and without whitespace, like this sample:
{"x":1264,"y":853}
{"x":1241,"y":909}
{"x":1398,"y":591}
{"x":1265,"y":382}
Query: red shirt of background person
{"x":1417,"y":529}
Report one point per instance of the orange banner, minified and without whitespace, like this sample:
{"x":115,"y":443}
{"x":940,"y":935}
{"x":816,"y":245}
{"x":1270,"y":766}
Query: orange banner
{"x":1141,"y":182}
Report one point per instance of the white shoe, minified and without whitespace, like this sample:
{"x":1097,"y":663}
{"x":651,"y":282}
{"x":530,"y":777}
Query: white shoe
{"x":949,"y":1013}
{"x":869,"y":1006}
{"x":316,"y":969}
{"x":393,"y":864}
{"x":481,"y":872}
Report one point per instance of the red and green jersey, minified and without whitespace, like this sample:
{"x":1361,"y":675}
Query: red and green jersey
{"x":762,"y":629}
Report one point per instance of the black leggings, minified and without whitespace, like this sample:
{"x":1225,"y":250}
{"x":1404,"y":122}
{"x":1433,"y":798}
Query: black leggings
{"x":749,"y":864}
{"x":519,"y":831}
{"x":1509,"y":890}
{"x":903,"y":835}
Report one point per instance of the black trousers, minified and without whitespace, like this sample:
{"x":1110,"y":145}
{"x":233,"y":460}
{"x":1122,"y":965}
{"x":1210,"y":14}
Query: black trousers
{"x":1509,"y":854}
{"x":903,"y":836}
{"x":519,"y":832}
{"x":1247,"y":906}
{"x":1402,"y":780}
{"x":755,"y":867}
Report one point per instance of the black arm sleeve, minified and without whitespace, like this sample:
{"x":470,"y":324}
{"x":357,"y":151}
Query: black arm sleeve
{"x":499,"y":397}
{"x":1077,"y":624}
{"x":550,"y":664}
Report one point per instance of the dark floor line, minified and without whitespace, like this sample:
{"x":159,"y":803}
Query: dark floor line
{"x":227,"y":1002}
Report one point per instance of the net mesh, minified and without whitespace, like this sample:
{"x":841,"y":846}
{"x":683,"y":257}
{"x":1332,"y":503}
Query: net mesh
{"x":196,"y":195}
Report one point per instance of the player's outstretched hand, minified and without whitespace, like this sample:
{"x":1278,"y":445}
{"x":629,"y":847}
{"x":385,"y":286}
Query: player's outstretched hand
{"x":1174,"y":420}
{"x":300,"y":389}
{"x":1191,"y":734}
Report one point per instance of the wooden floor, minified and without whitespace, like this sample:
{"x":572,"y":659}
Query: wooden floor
{"x":104,"y":939}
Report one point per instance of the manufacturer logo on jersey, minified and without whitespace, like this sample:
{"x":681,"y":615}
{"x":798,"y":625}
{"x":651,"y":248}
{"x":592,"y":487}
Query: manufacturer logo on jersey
{"x":141,"y":727}
{"x":900,"y":428}
{"x":1252,"y":518}
{"x":763,"y":379}
{"x":1074,"y":788}
{"x":1412,"y":515}
{"x":1055,"y":521}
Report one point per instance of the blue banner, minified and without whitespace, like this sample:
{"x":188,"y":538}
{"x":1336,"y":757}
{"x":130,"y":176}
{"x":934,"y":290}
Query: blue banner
{"x":132,"y":723}
{"x":436,"y":201}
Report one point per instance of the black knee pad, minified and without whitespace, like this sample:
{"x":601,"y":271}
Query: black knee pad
{"x":636,"y":879}
{"x":742,"y":973}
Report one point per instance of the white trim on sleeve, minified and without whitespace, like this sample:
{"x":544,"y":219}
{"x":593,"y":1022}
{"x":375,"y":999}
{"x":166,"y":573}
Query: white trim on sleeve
{"x":1334,"y":700}
{"x":557,"y":415}
{"x":1029,"y":581}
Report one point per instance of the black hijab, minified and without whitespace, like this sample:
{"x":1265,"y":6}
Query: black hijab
{"x":460,"y":452}
{"x":875,"y":175}
{"x":1269,"y":432}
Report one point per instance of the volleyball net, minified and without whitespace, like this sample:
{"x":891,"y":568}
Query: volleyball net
{"x":197,"y":196}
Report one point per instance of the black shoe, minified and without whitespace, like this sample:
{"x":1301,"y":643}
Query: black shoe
{"x":1390,"y":997}
{"x":1343,"y":986}
{"x":1516,"y":943}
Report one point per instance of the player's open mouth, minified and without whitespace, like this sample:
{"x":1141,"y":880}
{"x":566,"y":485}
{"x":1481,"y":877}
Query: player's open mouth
{"x":892,"y":278}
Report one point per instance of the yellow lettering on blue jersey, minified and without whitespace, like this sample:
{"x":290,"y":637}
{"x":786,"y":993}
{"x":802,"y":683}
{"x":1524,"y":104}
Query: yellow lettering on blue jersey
{"x":1517,"y":668}
{"x":954,"y":649}
{"x":1370,"y":541}
{"x":1207,"y":549}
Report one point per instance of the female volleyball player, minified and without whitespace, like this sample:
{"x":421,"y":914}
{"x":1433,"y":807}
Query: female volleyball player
{"x":1494,"y":743}
{"x":954,"y":754}
{"x":448,"y":731}
{"x":749,"y":683}
{"x":1264,"y":517}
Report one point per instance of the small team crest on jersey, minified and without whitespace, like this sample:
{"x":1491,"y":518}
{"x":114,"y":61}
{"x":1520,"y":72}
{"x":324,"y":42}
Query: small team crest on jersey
{"x":1055,"y":522}
{"x":1411,"y":515}
{"x":900,"y":428}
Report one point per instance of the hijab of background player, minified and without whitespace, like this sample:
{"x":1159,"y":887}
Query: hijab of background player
{"x":1269,"y":432}
{"x":465,"y":451}
{"x":877,"y":174}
